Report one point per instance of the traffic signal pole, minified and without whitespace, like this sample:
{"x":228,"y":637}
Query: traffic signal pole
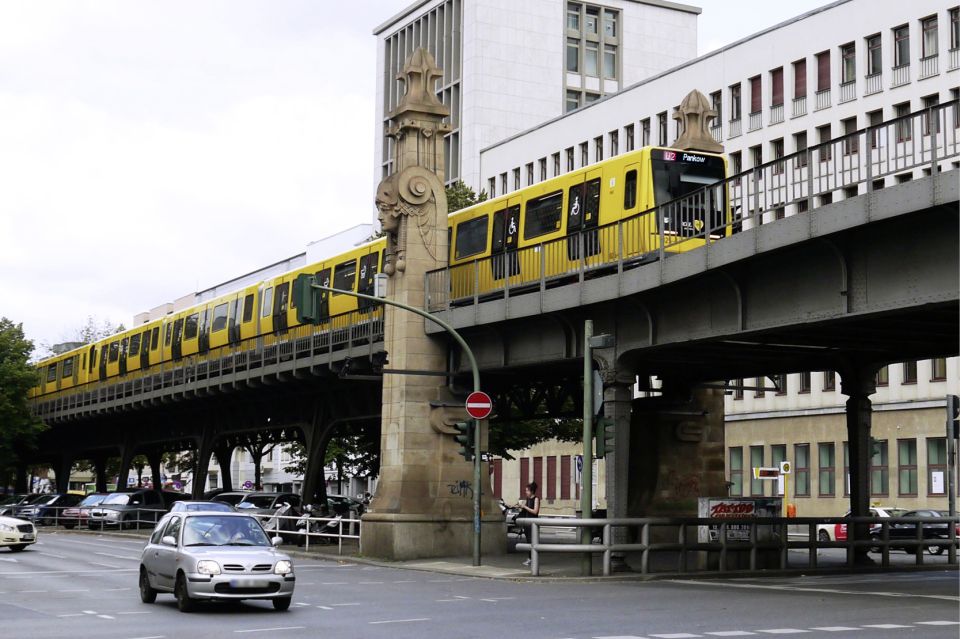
{"x":476,"y":387}
{"x":586,"y":475}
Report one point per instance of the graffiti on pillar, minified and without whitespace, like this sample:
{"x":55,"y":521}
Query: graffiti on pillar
{"x":461,"y":488}
{"x":683,"y":485}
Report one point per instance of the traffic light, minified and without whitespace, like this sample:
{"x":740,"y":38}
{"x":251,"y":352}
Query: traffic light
{"x":953,"y":416}
{"x":605,"y":436}
{"x":307,"y":299}
{"x":464,"y":437}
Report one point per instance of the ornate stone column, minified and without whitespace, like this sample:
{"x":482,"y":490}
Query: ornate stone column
{"x":422,"y":507}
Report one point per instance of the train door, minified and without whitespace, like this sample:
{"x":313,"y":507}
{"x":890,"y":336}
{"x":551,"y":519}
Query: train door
{"x":323,"y":278}
{"x":203,"y":336}
{"x":265,"y":316}
{"x":503,"y":245}
{"x":103,"y":362}
{"x":281,"y":303}
{"x":145,"y":350}
{"x":124,"y":344}
{"x":233,"y":323}
{"x":91,"y":361}
{"x":634,"y":228}
{"x":365,"y":283}
{"x":176,"y":347}
{"x":583,"y":216}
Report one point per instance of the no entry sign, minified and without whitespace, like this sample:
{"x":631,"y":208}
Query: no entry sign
{"x":479,"y":405}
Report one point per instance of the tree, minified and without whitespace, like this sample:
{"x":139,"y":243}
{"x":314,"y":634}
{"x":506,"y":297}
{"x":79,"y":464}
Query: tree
{"x":460,"y":196}
{"x":258,"y":447}
{"x":93,"y":330}
{"x":520,"y":435}
{"x":18,"y":426}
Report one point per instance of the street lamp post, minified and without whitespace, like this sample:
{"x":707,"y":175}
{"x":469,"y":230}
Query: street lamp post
{"x":476,"y":387}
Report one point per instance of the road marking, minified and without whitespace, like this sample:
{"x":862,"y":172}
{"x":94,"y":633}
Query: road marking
{"x":106,"y":617}
{"x":783,"y":631}
{"x":405,"y":581}
{"x":135,"y":612}
{"x":10,"y":559}
{"x":345,"y":604}
{"x":833,"y":591}
{"x":436,"y":581}
{"x":446,"y":600}
{"x":150,"y":637}
{"x":885,"y":626}
{"x":74,"y":614}
{"x":107,"y":554}
{"x":324,"y":607}
{"x":89,"y":612}
{"x":116,"y":589}
{"x":369,"y":583}
{"x":939,"y":623}
{"x":730,"y":633}
{"x":76,"y":590}
{"x":95,"y":563}
{"x":31,"y":591}
{"x":271,"y":629}
{"x":301,"y":603}
{"x":334,"y":583}
{"x":677,"y":635}
{"x":50,"y":554}
{"x":496,"y":599}
{"x":836,"y":629}
{"x":618,"y":637}
{"x":374,"y":623}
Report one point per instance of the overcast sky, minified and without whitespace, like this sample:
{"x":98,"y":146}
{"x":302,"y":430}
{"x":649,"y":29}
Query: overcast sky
{"x":150,"y":148}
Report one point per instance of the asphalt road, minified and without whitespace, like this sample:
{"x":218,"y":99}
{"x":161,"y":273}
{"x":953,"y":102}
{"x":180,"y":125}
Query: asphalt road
{"x":76,"y":585}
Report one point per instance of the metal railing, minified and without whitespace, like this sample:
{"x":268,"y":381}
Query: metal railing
{"x":343,"y":528}
{"x":929,"y":66}
{"x":848,"y":91}
{"x":691,"y":545}
{"x":954,"y":62}
{"x":901,"y":76}
{"x":223,"y":364}
{"x":776,"y":113}
{"x":822,"y":99}
{"x":799,"y":106}
{"x":735,"y":127}
{"x":873,"y":83}
{"x":756,"y":121}
{"x":919,"y":143}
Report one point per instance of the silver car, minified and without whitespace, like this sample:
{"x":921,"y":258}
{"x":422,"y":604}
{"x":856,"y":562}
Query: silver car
{"x":208,"y":555}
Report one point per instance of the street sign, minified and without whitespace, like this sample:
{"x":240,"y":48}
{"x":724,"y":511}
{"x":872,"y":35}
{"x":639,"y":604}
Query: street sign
{"x":479,"y":405}
{"x":785,"y":468}
{"x":247,"y":485}
{"x":760,"y":472}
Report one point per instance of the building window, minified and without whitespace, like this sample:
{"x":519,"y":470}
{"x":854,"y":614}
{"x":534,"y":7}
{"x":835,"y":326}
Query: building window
{"x":879,"y":470}
{"x":716,"y":103}
{"x":851,"y":141}
{"x":826,"y":469}
{"x":736,"y":162}
{"x":738,"y":389}
{"x":874,"y":55}
{"x":610,"y":61}
{"x":938,"y":368}
{"x":756,"y":156}
{"x":614,"y":143}
{"x":929,"y":102}
{"x":573,"y":100}
{"x":823,"y":71}
{"x":591,"y":60}
{"x":584,"y":154}
{"x":883,"y":376}
{"x":592,"y":51}
{"x":492,"y":186}
{"x":529,"y":173}
{"x":928,"y":27}
{"x":556,"y":164}
{"x":735,"y":102}
{"x":800,"y":79}
{"x":800,"y":144}
{"x":598,"y":148}
{"x":804,"y":382}
{"x":593,"y":21}
{"x":829,"y":380}
{"x":936,"y":465}
{"x":609,"y":23}
{"x":904,"y":123}
{"x":781,"y":380}
{"x":543,"y":169}
{"x":907,"y":467}
{"x":848,"y":63}
{"x":823,"y":138}
{"x":801,"y":470}
{"x":877,"y":132}
{"x":573,"y":16}
{"x":910,"y":372}
{"x":629,"y":135}
{"x":662,"y":128}
{"x":955,"y":28}
{"x":901,"y":46}
{"x":776,"y":87}
{"x":570,"y":163}
{"x":756,"y":98}
{"x":573,"y":55}
{"x":736,"y":471}
{"x":503,"y":184}
{"x":645,"y":132}
{"x":756,"y":461}
{"x":846,"y":469}
{"x":760,"y":384}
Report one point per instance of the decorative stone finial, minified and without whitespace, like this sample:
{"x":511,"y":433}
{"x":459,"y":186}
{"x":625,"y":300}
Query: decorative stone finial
{"x":419,"y":76}
{"x":695,"y":113}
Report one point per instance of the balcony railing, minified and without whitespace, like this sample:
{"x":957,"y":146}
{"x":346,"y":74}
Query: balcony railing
{"x":823,"y":99}
{"x":924,"y":141}
{"x":929,"y":66}
{"x":848,"y":91}
{"x":954,"y":62}
{"x":873,"y":83}
{"x":901,"y":76}
{"x":717,"y":132}
{"x":756,"y":121}
{"x":799,"y":106}
{"x":735,"y":128}
{"x":776,"y":114}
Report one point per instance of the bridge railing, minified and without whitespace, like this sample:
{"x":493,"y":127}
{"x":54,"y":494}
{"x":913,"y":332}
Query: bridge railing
{"x":224,"y":364}
{"x":691,"y":545}
{"x":853,"y":164}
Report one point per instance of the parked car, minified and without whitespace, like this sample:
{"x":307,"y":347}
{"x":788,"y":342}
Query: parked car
{"x":214,"y":556}
{"x":188,"y":506}
{"x":78,"y":515}
{"x":345,"y":506}
{"x":129,"y":508}
{"x":10,"y":502}
{"x":45,"y":509}
{"x":934,"y":530}
{"x":16,"y":534}
{"x":838,"y":532}
{"x":233,"y":498}
{"x":266,"y":503}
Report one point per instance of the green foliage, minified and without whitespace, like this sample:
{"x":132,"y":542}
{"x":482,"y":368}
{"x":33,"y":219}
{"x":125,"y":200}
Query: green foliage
{"x":18,"y":426}
{"x":460,"y":196}
{"x":520,"y":435}
{"x":354,"y":451}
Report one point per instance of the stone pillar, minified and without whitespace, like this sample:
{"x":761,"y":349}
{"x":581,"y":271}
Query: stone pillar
{"x":64,"y":464}
{"x":858,"y":384}
{"x":617,"y":406}
{"x":224,"y":455}
{"x":316,"y":439}
{"x":421,"y":508}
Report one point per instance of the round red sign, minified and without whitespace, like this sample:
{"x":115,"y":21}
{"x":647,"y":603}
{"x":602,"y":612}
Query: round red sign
{"x":479,"y":405}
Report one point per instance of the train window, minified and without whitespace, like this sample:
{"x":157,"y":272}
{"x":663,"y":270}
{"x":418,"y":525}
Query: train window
{"x":630,"y":190}
{"x":51,"y":373}
{"x":283,"y":295}
{"x":123,"y":347}
{"x":134,"y":345}
{"x":266,"y":302}
{"x":67,"y":368}
{"x":499,"y":231}
{"x":220,"y":317}
{"x":543,"y":215}
{"x":93,"y":358}
{"x":191,"y":326}
{"x":155,"y":338}
{"x":471,"y":237}
{"x":114,"y":351}
{"x":248,"y":308}
{"x":83,"y":364}
{"x":168,"y":335}
{"x":344,"y":275}
{"x":592,"y":202}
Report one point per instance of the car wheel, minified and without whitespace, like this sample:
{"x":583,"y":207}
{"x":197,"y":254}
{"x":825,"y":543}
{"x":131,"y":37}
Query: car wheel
{"x":935,"y":550}
{"x":147,"y":594}
{"x":184,"y":602}
{"x":823,"y":535}
{"x":17,"y":547}
{"x":281,"y":603}
{"x":69,"y":526}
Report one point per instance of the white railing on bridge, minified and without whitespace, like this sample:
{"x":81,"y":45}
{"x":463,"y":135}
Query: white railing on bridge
{"x":857,"y":163}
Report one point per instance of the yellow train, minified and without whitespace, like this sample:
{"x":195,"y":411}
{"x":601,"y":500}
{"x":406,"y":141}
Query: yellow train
{"x":591,"y":217}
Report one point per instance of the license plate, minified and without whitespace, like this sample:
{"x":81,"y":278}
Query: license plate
{"x":248,"y":583}
{"x":26,"y":538}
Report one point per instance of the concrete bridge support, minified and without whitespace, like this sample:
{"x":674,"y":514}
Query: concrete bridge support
{"x":62,"y":466}
{"x":127,"y":452}
{"x":617,"y":406}
{"x":154,"y":459}
{"x":100,"y":471}
{"x":224,"y":454}
{"x":204,"y":447}
{"x":858,"y":383}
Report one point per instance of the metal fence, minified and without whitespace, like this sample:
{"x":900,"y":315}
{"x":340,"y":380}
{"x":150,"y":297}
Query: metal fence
{"x":330,"y":529}
{"x":847,"y":166}
{"x":706,"y":545}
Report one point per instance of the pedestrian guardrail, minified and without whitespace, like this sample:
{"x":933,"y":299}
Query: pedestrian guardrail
{"x":708,"y":545}
{"x":325,"y":529}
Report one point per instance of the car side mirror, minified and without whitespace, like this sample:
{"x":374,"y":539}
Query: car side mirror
{"x":276,"y":541}
{"x":169,"y":540}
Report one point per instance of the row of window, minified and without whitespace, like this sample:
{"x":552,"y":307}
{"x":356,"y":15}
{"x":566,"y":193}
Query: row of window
{"x":551,"y":484}
{"x":742,"y":482}
{"x":592,"y":46}
{"x":938,"y":368}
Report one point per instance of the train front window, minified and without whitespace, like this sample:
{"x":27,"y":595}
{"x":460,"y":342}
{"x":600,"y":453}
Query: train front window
{"x":677,"y":173}
{"x":52,"y":373}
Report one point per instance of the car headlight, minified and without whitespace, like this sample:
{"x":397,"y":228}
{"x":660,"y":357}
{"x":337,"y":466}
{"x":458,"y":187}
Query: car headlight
{"x":6,"y":528}
{"x":208,"y":567}
{"x":283,"y":567}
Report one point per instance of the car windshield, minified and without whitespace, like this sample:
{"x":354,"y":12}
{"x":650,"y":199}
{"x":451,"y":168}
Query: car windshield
{"x":256,"y":501}
{"x":895,"y":512}
{"x":92,"y":500}
{"x":219,"y":530}
{"x":201,"y":506}
{"x":229,"y":498}
{"x":116,"y":499}
{"x":39,"y":499}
